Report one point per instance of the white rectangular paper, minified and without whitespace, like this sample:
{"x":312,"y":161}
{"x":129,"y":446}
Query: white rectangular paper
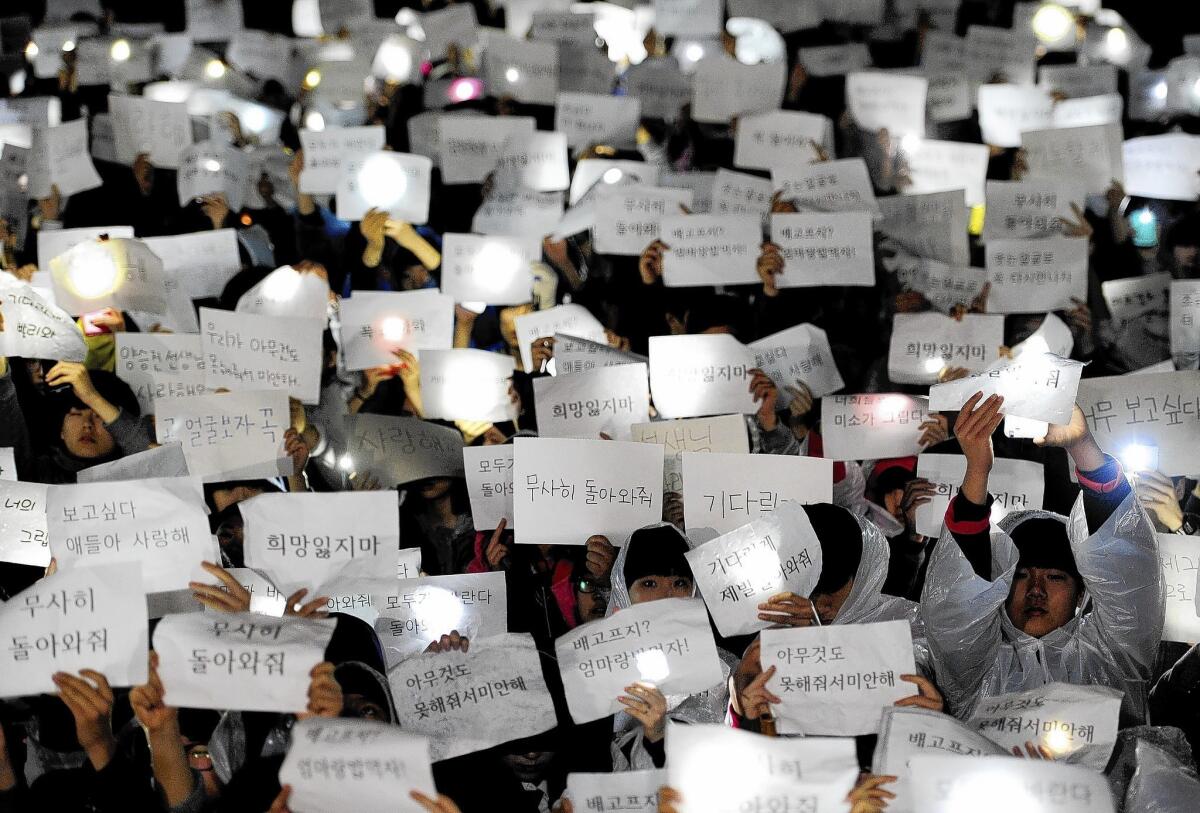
{"x":1160,"y":410}
{"x":393,"y":182}
{"x":710,"y":249}
{"x":943,"y":166}
{"x":887,"y":101}
{"x":399,"y":450}
{"x":591,"y":118}
{"x":825,"y":249}
{"x":829,"y":186}
{"x":377,"y":323}
{"x":160,"y":365}
{"x":779,"y":139}
{"x":932,"y":226}
{"x":575,"y":355}
{"x":872,"y":426}
{"x":572,"y":319}
{"x":835,"y":60}
{"x":940,"y":783}
{"x":414,"y":612}
{"x":699,"y":375}
{"x":923,"y":343}
{"x":523,"y":69}
{"x":1037,"y":386}
{"x":1007,"y":111}
{"x":1029,"y":208}
{"x":490,"y":484}
{"x":254,"y":352}
{"x":166,"y":460}
{"x":798,"y":354}
{"x":493,"y":270}
{"x":325,"y":151}
{"x":1163,"y":166}
{"x":35,"y":328}
{"x":723,"y":433}
{"x":1185,"y":307}
{"x":466,"y":384}
{"x":60,"y":157}
{"x":1180,"y":557}
{"x":621,"y":792}
{"x":723,"y":88}
{"x":228,"y":436}
{"x":1091,"y":156}
{"x":142,"y":125}
{"x":200,"y":263}
{"x":585,"y":405}
{"x":630,"y":218}
{"x":23,"y":538}
{"x":1016,"y":485}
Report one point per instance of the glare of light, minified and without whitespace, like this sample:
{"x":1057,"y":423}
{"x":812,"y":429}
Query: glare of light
{"x":406,"y":16}
{"x":934,"y":365}
{"x":120,"y":51}
{"x":68,"y":46}
{"x":16,"y":83}
{"x":1196,"y":88}
{"x":474,"y":307}
{"x":893,"y":404}
{"x":312,"y":79}
{"x":1051,"y":22}
{"x":32,"y":50}
{"x":439,"y":611}
{"x":215,"y":69}
{"x":987,"y":791}
{"x":910,"y":143}
{"x":1035,"y":345}
{"x":1139,"y":457}
{"x":612,"y":175}
{"x":281,"y":284}
{"x":1145,"y":217}
{"x":1160,"y":91}
{"x":1116,"y":44}
{"x":346,"y":463}
{"x":330,"y":458}
{"x":169,"y":91}
{"x":394,"y":328}
{"x":652,"y":666}
{"x":462,"y":90}
{"x":254,"y":119}
{"x":512,"y":75}
{"x":212,"y":165}
{"x":1058,"y":741}
{"x":694,"y":52}
{"x":395,"y":60}
{"x":381,"y":181}
{"x":499,"y":263}
{"x":92,"y":272}
{"x":314,"y":121}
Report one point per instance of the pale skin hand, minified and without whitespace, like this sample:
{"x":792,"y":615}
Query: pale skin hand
{"x":869,"y":796}
{"x":600,"y":557}
{"x":324,"y":694}
{"x":927,"y":697}
{"x":450,"y":643}
{"x":917,"y":492}
{"x":442,"y":804}
{"x":304,"y":203}
{"x":373,"y":226}
{"x":215,"y":208}
{"x":769,"y":266}
{"x":76,"y":375}
{"x":648,"y":706}
{"x":410,"y":374}
{"x":496,"y":549}
{"x":976,"y":423}
{"x":934,"y":430}
{"x":788,"y":610}
{"x":1033,"y":750}
{"x":669,"y":800}
{"x":650,"y":262}
{"x":8,"y":777}
{"x":766,"y":395}
{"x":1077,"y":440}
{"x":1157,"y":493}
{"x":90,"y":699}
{"x":161,"y":724}
{"x":757,"y":698}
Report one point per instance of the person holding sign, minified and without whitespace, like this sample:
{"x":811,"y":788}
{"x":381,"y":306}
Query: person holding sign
{"x":1075,"y":599}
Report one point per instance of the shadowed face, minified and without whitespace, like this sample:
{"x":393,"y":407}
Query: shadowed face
{"x":83,"y":434}
{"x":1042,"y":600}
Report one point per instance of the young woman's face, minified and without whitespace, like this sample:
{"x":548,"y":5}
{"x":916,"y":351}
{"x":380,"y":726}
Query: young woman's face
{"x":653,"y":588}
{"x":83,"y":434}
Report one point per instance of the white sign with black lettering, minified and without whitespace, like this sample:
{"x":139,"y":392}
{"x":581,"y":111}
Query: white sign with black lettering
{"x":493,"y":270}
{"x":780,"y":139}
{"x":23,"y":538}
{"x":1161,"y":411}
{"x":586,"y":405}
{"x":160,"y":365}
{"x":710,"y":249}
{"x":412,"y":613}
{"x":798,"y":354}
{"x":871,"y":426}
{"x":887,"y":101}
{"x":1027,"y":209}
{"x":1091,"y":156}
{"x":629,"y":218}
{"x":723,"y":88}
{"x":142,"y":125}
{"x":325,"y":151}
{"x":1007,"y":111}
{"x":229,"y":435}
{"x":489,"y":484}
{"x":1038,"y":386}
{"x":469,"y":146}
{"x":924,"y":343}
{"x":253,"y":352}
{"x":572,"y":319}
{"x":375,"y":324}
{"x":824,"y":249}
{"x":1016,"y":485}
{"x":941,"y":783}
{"x":699,"y":375}
{"x":466,"y":384}
{"x":591,"y":118}
{"x":1180,"y":558}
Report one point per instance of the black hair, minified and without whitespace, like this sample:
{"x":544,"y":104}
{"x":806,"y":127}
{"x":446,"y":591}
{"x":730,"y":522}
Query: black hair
{"x":111,"y":389}
{"x":1043,"y":542}
{"x":841,"y":545}
{"x":656,"y":551}
{"x":210,"y":489}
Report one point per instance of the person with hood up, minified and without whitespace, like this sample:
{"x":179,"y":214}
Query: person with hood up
{"x":1075,"y":599}
{"x":651,"y":566}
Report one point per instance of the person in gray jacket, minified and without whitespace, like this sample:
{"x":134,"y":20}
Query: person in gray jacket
{"x":1045,"y":598}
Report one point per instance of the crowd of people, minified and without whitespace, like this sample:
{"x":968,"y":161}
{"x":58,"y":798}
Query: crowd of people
{"x":1069,"y":590}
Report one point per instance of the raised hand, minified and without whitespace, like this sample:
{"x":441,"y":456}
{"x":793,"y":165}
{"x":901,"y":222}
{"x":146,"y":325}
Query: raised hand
{"x":228,"y":597}
{"x":927,"y":697}
{"x":90,"y":700}
{"x":756,"y":699}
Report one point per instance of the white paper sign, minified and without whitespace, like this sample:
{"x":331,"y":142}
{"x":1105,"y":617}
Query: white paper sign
{"x":1007,"y":111}
{"x":60,"y":157}
{"x":584,"y":405}
{"x":1089,"y":111}
{"x":8,"y":464}
{"x":525,"y":70}
{"x":227,"y":436}
{"x":160,"y":525}
{"x":824,"y":249}
{"x":402,"y":450}
{"x":942,"y":166}
{"x":722,"y":492}
{"x":518,"y":213}
{"x":160,"y":365}
{"x":834,"y":680}
{"x":1091,"y":156}
{"x":799,"y":353}
{"x":629,"y":218}
{"x":1158,"y":410}
{"x":932,"y":226}
{"x":490,"y":484}
{"x":375,"y":324}
{"x":453,"y":25}
{"x":575,"y":355}
{"x":1029,"y":209}
{"x":623,"y":792}
{"x":741,"y":569}
{"x":1136,"y":298}
{"x":1180,"y":557}
{"x":393,"y":182}
{"x":414,"y":612}
{"x":23,"y":538}
{"x":835,"y":60}
{"x":76,"y":619}
{"x":210,"y":168}
{"x":141,"y":125}
{"x":723,"y":433}
{"x":710,"y":249}
{"x":773,"y":773}
{"x":739,"y":193}
{"x":252,"y":352}
{"x":872,"y":426}
{"x":887,"y":101}
{"x":688,"y":18}
{"x":1016,"y":485}
{"x":252,"y":662}
{"x":591,"y":118}
{"x":1078,"y":80}
{"x":213,"y":20}
{"x":566,"y":490}
{"x":466,"y":384}
{"x":166,"y":460}
{"x":287,"y":292}
{"x":723,"y":88}
{"x":942,"y":783}
{"x":495,"y":270}
{"x":660,"y":85}
{"x":572,"y":319}
{"x":470,"y":146}
{"x":699,"y":375}
{"x":118,"y":273}
{"x":35,"y":328}
{"x":537,"y":162}
{"x":200,"y":263}
{"x":396,"y":763}
{"x":944,"y":286}
{"x":476,"y":700}
{"x":1036,"y":386}
{"x":923,"y":343}
{"x":1063,"y":717}
{"x":779,"y":139}
{"x":303,"y":539}
{"x":1185,"y":307}
{"x":1163,"y":166}
{"x":325,"y":151}
{"x":829,"y":186}
{"x":668,"y":643}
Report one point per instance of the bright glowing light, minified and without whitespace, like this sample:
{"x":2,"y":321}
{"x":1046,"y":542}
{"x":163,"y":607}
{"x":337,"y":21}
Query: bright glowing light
{"x":1196,"y":88}
{"x":254,"y":119}
{"x":1035,"y":345}
{"x":512,"y":75}
{"x":395,"y":61}
{"x":92,"y":272}
{"x":612,"y":175}
{"x":1052,"y":22}
{"x":910,"y":143}
{"x":893,"y":404}
{"x":32,"y":50}
{"x":212,"y":165}
{"x":346,"y":463}
{"x":1058,"y":741}
{"x":439,"y":611}
{"x":1145,"y":217}
{"x":474,"y":307}
{"x":314,"y":121}
{"x":16,"y":83}
{"x":694,"y":52}
{"x":215,"y":69}
{"x":652,"y":666}
{"x":462,"y":90}
{"x":1139,"y":457}
{"x":394,"y":328}
{"x":281,"y":284}
{"x":500,"y":263}
{"x":934,"y":365}
{"x":68,"y":46}
{"x":382,"y":181}
{"x":312,"y":79}
{"x":1160,"y":91}
{"x":329,"y":458}
{"x":120,"y":51}
{"x":1116,"y":44}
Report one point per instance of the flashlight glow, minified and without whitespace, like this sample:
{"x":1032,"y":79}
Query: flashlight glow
{"x":1160,"y":91}
{"x":1058,"y":741}
{"x":346,"y":463}
{"x":394,"y":328}
{"x":254,"y":119}
{"x":501,"y":263}
{"x":612,"y":175}
{"x":395,"y":60}
{"x":462,"y":90}
{"x":934,"y":365}
{"x":694,"y":52}
{"x":281,"y":284}
{"x":32,"y":50}
{"x":212,"y":165}
{"x":1116,"y":44}
{"x":68,"y":46}
{"x":512,"y":75}
{"x":910,"y":142}
{"x":1145,"y":217}
{"x":312,"y":79}
{"x":1052,"y":22}
{"x":652,"y":666}
{"x":439,"y":612}
{"x":120,"y":51}
{"x":381,"y":181}
{"x":93,"y":272}
{"x":474,"y":307}
{"x":215,"y":69}
{"x":314,"y":121}
{"x":1139,"y":457}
